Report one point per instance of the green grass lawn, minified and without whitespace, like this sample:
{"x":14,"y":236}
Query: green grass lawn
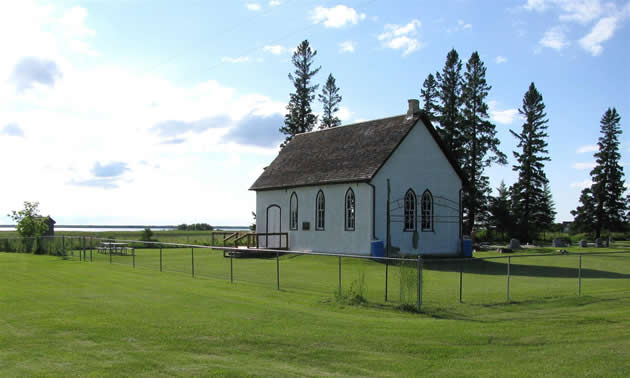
{"x":60,"y":317}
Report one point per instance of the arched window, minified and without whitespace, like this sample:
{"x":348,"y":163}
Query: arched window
{"x":320,"y":211}
{"x":349,"y":210}
{"x":293,"y":212}
{"x":410,"y":210}
{"x":427,"y":211}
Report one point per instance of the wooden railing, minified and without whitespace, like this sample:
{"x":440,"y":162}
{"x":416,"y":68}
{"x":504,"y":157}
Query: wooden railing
{"x":283,"y":242}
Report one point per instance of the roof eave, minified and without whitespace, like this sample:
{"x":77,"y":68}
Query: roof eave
{"x":329,"y":182}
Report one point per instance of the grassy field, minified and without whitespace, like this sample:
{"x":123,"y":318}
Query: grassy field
{"x":64,"y":317}
{"x":172,"y":236}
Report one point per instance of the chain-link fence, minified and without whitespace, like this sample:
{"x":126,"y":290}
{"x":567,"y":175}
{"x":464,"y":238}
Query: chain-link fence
{"x":408,"y":283}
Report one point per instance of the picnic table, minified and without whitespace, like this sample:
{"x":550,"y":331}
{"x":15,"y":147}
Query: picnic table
{"x":114,"y":248}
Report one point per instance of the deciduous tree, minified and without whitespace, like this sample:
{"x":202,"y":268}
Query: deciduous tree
{"x":29,"y":223}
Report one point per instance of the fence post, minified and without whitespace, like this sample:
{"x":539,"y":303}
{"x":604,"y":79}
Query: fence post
{"x":231,"y":268}
{"x":110,"y":255}
{"x":419,"y":283}
{"x":91,"y":247}
{"x":339,"y":276}
{"x":461,"y":274}
{"x":278,"y":270}
{"x":508,"y":279}
{"x":192,"y":256}
{"x":580,"y":276}
{"x":160,"y":258}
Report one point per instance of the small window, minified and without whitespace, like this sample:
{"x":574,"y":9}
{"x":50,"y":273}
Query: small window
{"x":410,"y":210}
{"x":320,"y":211}
{"x":427,"y":211}
{"x":293,"y":212}
{"x":349,"y":210}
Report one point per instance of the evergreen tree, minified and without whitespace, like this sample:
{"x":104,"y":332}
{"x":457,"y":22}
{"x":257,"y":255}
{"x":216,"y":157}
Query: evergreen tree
{"x":449,"y":85}
{"x":477,"y":135}
{"x":605,"y":198}
{"x":546,"y":214}
{"x":330,"y":99}
{"x":500,"y":210}
{"x":528,"y":193}
{"x":430,"y":97}
{"x":300,"y":118}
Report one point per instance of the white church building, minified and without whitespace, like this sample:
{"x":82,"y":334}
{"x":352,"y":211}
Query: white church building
{"x":328,"y":189}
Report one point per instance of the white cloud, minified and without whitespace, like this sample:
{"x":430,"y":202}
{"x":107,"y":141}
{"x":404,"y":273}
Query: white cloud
{"x":554,"y":38}
{"x":400,"y":37}
{"x":344,"y":114}
{"x":464,"y":25}
{"x":601,"y":32}
{"x":581,"y":184}
{"x":500,"y":59}
{"x":337,"y":16}
{"x":275,"y":49}
{"x":581,"y":11}
{"x":240,"y":59}
{"x":587,"y":148}
{"x":73,"y":21}
{"x":504,"y":117}
{"x":255,"y":7}
{"x":95,"y":102}
{"x":274,"y":3}
{"x":461,"y":25}
{"x":582,"y":166}
{"x":608,"y":16}
{"x":536,"y":5}
{"x":347,"y":46}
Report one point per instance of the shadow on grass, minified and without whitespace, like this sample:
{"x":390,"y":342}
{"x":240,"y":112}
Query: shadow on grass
{"x":490,"y":267}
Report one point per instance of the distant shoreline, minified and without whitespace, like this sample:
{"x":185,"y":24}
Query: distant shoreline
{"x":128,"y":227}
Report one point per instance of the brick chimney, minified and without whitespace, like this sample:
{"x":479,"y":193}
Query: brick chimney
{"x":414,"y":107}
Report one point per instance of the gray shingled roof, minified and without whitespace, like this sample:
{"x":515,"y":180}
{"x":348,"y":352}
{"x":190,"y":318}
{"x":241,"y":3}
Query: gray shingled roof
{"x":352,"y":153}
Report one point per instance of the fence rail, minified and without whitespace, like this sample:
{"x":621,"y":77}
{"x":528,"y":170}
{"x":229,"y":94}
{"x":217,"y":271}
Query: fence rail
{"x":411,"y":283}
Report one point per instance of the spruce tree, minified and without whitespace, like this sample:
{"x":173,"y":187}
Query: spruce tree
{"x":500,"y":210}
{"x":330,"y":99}
{"x":449,"y":84}
{"x":477,"y":135}
{"x":605,"y":197}
{"x":546,"y":212}
{"x":528,"y":193}
{"x":429,"y":95}
{"x":300,"y":118}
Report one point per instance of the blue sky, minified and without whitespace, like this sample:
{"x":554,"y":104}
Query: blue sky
{"x":165,"y":112}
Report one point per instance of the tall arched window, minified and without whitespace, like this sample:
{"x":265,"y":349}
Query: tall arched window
{"x":410,"y":210}
{"x":293,"y":212}
{"x":427,"y":211}
{"x":349,"y":210}
{"x":320,"y":211}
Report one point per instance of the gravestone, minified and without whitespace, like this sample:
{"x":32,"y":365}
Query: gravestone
{"x":557,"y":243}
{"x":599,"y":243}
{"x":514,"y":244}
{"x":583,"y":243}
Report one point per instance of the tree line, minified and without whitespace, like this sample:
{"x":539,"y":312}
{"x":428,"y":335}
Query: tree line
{"x":455,"y":101}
